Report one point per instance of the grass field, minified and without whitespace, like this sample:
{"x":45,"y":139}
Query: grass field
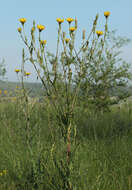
{"x":34,"y":156}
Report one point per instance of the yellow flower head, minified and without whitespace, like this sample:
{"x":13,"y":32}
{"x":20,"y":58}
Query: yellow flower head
{"x":40,"y":27}
{"x":43,"y":42}
{"x":106,"y":14}
{"x":17,"y":70}
{"x":19,"y":30}
{"x":59,"y":20}
{"x":67,"y":40}
{"x":99,"y":33}
{"x":22,"y":20}
{"x":27,"y":73}
{"x":1,"y":174}
{"x":72,"y":29}
{"x":69,"y":20}
{"x":5,"y":92}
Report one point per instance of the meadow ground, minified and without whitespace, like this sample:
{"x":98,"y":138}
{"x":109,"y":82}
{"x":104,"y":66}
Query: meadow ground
{"x":34,"y":156}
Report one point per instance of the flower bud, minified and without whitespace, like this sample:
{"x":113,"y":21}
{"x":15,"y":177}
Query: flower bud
{"x":83,"y":35}
{"x":76,"y":23}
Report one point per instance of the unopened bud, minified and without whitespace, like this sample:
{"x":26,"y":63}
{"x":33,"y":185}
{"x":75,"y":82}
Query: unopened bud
{"x":32,"y":29}
{"x":83,"y":35}
{"x":106,"y":28}
{"x":64,"y":34}
{"x":19,"y":30}
{"x":96,"y":18}
{"x":70,"y":46}
{"x":76,"y":23}
{"x":70,"y":71}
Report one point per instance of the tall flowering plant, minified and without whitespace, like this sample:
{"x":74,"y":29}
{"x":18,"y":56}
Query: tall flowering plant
{"x":70,"y":75}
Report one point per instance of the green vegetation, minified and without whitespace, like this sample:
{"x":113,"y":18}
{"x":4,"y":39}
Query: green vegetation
{"x":2,"y":69}
{"x":34,"y":89}
{"x":101,"y":155}
{"x":74,"y":138}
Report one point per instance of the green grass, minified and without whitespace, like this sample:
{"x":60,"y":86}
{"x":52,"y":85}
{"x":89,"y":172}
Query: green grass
{"x":35,"y":89}
{"x":101,"y":155}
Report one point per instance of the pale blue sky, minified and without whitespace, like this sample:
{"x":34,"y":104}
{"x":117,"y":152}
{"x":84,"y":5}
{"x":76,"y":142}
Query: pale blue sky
{"x":46,"y":11}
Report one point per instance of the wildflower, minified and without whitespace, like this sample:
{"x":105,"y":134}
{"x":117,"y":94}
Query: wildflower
{"x":72,"y":29}
{"x":0,"y":91}
{"x":17,"y":70}
{"x":67,"y":40}
{"x":1,"y":174}
{"x":5,"y":92}
{"x":43,"y":42}
{"x":59,"y":20}
{"x":106,"y":14}
{"x":19,"y":30}
{"x":69,"y":20}
{"x":40,"y":27}
{"x":22,"y":20}
{"x":4,"y":172}
{"x":27,"y":74}
{"x":99,"y":33}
